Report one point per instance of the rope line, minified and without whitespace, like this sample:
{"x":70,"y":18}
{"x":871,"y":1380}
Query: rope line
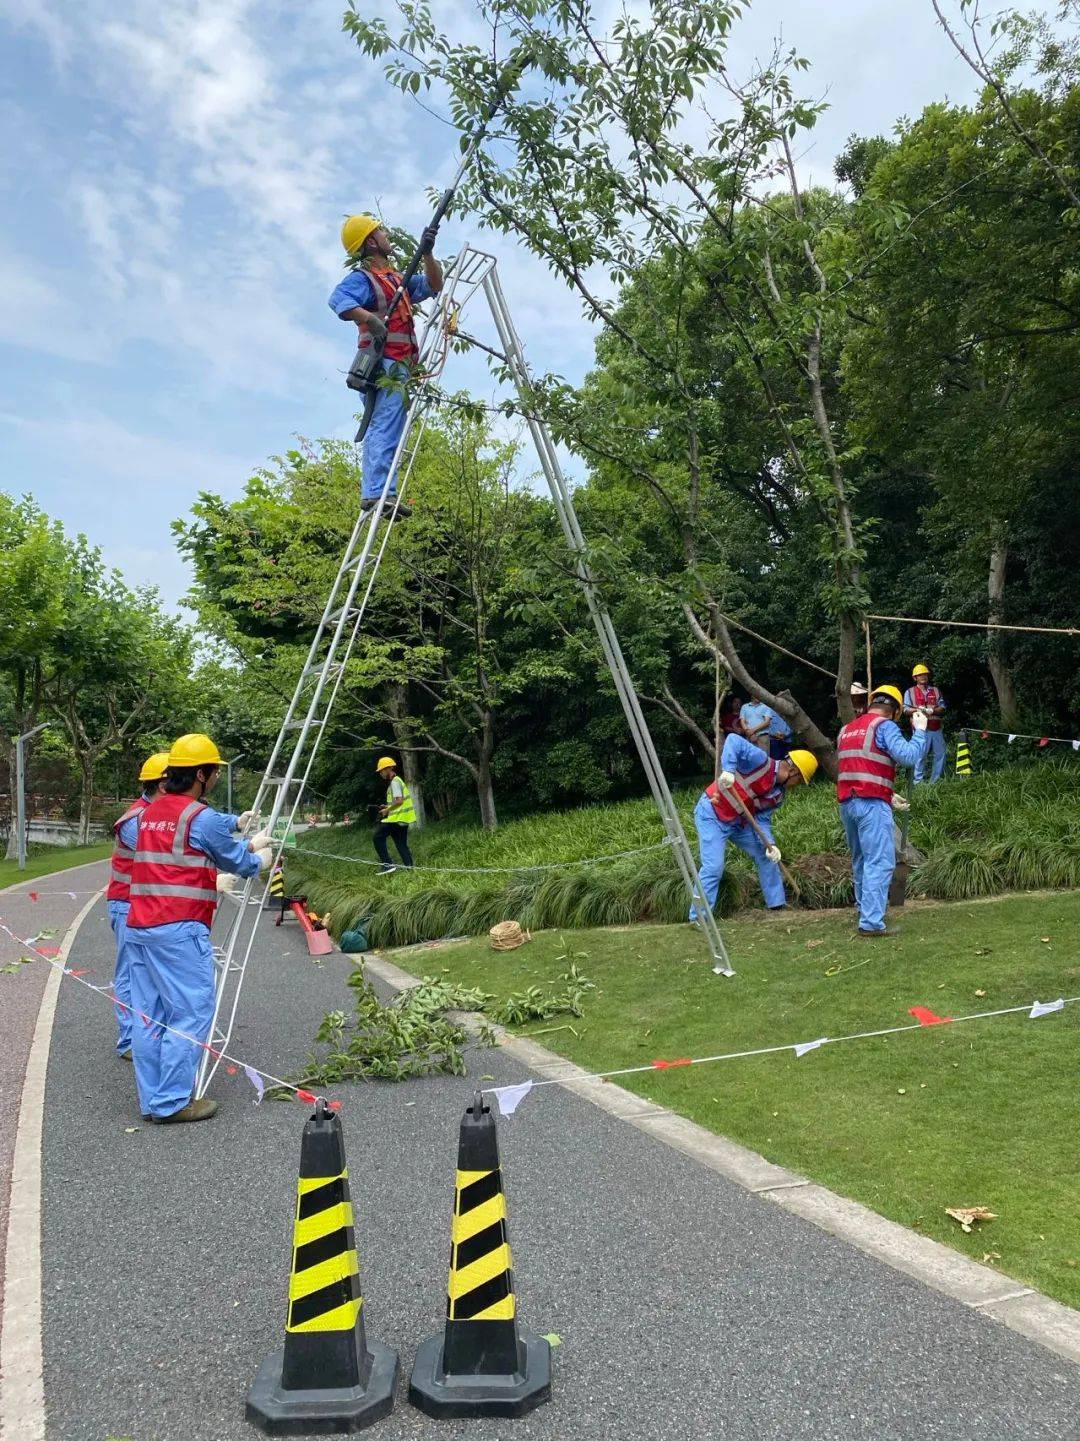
{"x":485,"y":870}
{"x":788,"y":1046}
{"x":980,"y":624}
{"x":1020,"y":735}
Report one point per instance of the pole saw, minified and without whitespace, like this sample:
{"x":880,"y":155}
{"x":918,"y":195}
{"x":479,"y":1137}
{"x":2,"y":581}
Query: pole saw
{"x":366,"y":368}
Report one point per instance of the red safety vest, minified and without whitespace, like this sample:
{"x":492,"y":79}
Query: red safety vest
{"x":864,"y":768}
{"x":928,"y":695}
{"x":120,"y":877}
{"x":752,"y":789}
{"x":170,"y":880}
{"x":401,"y":333}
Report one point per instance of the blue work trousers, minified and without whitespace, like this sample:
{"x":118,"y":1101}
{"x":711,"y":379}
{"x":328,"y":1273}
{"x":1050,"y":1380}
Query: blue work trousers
{"x":713,"y":837}
{"x":868,"y":825}
{"x":934,"y":756}
{"x":383,"y":434}
{"x":118,"y":914}
{"x":172,"y":980}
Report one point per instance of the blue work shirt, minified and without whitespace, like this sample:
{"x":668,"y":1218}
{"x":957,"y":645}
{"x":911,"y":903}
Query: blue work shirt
{"x":358,"y":289}
{"x":890,"y":738}
{"x":212,"y":833}
{"x":755,"y":713}
{"x":743,"y":757}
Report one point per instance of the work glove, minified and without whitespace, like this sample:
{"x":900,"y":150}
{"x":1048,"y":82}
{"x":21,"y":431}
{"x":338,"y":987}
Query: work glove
{"x":376,"y":328}
{"x":427,"y":239}
{"x":263,"y":839}
{"x":772,"y":853}
{"x":901,"y":803}
{"x":727,"y":778}
{"x":918,"y":721}
{"x":244,"y":820}
{"x":226,"y":883}
{"x":265,"y":855}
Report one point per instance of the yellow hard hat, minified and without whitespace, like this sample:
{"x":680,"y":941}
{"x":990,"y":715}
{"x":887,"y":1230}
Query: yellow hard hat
{"x":890,"y":691}
{"x":194,"y":750}
{"x":356,"y":230}
{"x":920,"y":669}
{"x":805,"y":763}
{"x":154,"y":768}
{"x":386,"y":763}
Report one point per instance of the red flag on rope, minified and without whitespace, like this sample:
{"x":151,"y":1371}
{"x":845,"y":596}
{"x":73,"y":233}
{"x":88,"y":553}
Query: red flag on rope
{"x":667,"y":1065}
{"x":928,"y":1018}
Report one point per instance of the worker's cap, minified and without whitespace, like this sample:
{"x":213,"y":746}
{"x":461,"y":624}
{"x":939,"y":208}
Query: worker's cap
{"x":194,"y":750}
{"x":356,"y":229}
{"x":806,"y":763}
{"x":920,"y":669}
{"x":887,"y":693}
{"x":154,"y":768}
{"x":857,"y":688}
{"x":386,"y":763}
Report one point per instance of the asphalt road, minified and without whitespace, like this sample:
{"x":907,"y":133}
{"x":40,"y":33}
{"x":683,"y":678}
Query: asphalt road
{"x":685,"y":1305}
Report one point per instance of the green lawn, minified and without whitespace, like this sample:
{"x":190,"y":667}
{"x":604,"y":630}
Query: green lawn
{"x":49,"y":859}
{"x":985,"y":1113}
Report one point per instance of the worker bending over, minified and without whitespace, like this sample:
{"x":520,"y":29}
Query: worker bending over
{"x":364,"y":297}
{"x":922,"y":696}
{"x":748,"y":782}
{"x":182,"y":843}
{"x":395,"y":818}
{"x":118,"y":895}
{"x":869,"y":749}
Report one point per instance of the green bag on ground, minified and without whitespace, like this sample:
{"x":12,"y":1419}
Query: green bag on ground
{"x":354,"y":940}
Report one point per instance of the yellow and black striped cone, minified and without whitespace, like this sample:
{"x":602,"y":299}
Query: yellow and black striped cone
{"x":963,"y":755}
{"x":328,"y":1376}
{"x":275,"y":894}
{"x":484,"y":1364}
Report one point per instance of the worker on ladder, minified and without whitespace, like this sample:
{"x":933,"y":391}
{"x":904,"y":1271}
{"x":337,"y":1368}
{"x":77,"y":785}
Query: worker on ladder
{"x":118,"y":895}
{"x":363,"y":297}
{"x":749,"y":782}
{"x":869,"y":748}
{"x":182,"y":844}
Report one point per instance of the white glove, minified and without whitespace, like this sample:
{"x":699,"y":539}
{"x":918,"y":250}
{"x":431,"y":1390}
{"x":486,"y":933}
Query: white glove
{"x":226,"y":883}
{"x":265,"y":855}
{"x":261,"y":841}
{"x":727,"y":778}
{"x":772,"y":853}
{"x":918,"y":721}
{"x":901,"y":803}
{"x":243,"y":821}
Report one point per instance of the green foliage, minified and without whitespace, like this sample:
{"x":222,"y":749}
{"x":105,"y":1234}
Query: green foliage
{"x":535,"y":1004}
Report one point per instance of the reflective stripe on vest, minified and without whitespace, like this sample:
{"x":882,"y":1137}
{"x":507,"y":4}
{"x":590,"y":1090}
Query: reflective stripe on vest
{"x":931,"y":696}
{"x":751,"y":789}
{"x":405,"y":815}
{"x":401,"y":333}
{"x":120,"y":872}
{"x":863,"y":769}
{"x":170,"y":880}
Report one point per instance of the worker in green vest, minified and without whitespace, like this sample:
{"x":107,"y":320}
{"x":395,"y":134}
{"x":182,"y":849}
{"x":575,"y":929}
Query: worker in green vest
{"x":395,"y":818}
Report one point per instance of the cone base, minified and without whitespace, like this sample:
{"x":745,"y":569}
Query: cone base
{"x":437,"y":1394}
{"x":337,"y":1410}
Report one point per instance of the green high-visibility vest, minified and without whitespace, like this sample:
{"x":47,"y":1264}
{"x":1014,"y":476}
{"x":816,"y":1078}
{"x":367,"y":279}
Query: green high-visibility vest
{"x":405,"y":815}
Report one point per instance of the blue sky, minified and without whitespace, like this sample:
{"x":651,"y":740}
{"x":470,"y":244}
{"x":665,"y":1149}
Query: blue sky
{"x":172,"y":184}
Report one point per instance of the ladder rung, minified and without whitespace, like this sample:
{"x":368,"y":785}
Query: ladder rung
{"x":318,"y":666}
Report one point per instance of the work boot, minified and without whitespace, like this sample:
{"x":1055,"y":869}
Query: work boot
{"x":403,"y":511}
{"x":385,"y":870}
{"x":875,"y":935}
{"x":193,"y":1111}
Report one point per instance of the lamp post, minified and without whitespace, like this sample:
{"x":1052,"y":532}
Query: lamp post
{"x":228,"y":779}
{"x":20,"y":790}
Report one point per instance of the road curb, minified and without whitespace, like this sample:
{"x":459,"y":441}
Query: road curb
{"x":22,"y":1382}
{"x":1036,"y":1316}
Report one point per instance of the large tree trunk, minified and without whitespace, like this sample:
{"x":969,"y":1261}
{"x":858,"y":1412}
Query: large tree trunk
{"x":485,"y":790}
{"x":13,"y":829}
{"x":999,"y":669}
{"x":397,"y":704}
{"x":86,"y":797}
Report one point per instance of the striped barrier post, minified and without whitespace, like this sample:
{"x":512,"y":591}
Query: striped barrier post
{"x":328,"y":1376}
{"x":963,"y":755}
{"x":484,"y":1363}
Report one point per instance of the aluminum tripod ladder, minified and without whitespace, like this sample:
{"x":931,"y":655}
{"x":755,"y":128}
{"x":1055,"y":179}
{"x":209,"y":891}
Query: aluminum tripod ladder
{"x":294,"y":752}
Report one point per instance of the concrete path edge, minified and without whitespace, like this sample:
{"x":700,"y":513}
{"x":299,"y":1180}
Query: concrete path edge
{"x":22,"y":1387}
{"x":1035,"y":1315}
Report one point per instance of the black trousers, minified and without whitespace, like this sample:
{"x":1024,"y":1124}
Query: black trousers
{"x":399,"y":834}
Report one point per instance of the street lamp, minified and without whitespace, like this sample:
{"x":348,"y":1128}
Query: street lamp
{"x":20,"y":790}
{"x":228,"y":779}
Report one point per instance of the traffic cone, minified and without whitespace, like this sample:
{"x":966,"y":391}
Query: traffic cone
{"x":963,"y":755}
{"x":483,"y":1364}
{"x":328,"y":1376}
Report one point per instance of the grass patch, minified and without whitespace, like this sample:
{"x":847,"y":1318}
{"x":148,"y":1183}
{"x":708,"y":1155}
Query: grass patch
{"x":1003,"y":831}
{"x":981,"y":1114}
{"x":50,"y":859}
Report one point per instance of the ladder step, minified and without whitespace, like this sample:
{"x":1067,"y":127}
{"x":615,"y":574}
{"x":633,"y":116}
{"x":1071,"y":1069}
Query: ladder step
{"x":319,"y":666}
